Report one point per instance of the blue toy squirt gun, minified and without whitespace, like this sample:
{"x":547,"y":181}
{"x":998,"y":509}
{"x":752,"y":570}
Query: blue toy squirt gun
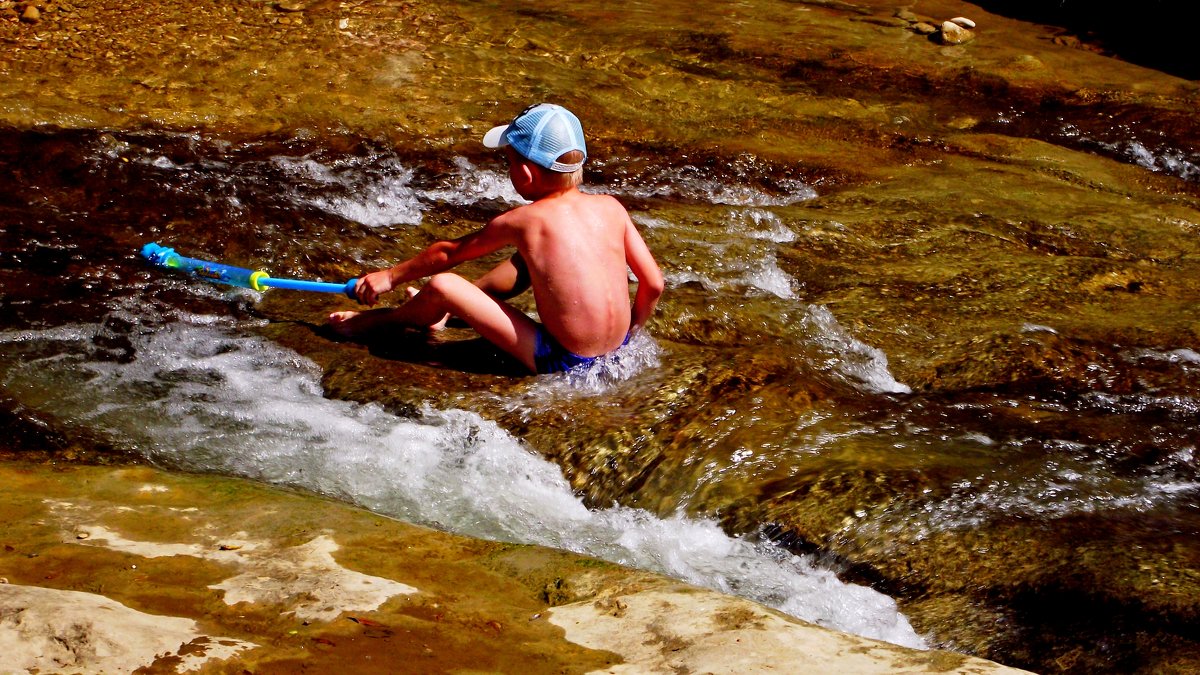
{"x":258,"y":280}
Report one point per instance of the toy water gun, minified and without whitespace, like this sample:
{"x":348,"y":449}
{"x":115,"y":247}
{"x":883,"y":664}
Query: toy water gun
{"x":258,"y":280}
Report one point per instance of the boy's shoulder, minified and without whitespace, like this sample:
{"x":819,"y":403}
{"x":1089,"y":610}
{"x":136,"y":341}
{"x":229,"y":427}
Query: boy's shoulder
{"x":597,"y":200}
{"x":573,"y":199}
{"x":557,"y":209}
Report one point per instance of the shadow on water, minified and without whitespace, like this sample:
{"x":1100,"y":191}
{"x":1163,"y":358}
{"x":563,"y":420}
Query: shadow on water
{"x":1153,"y":33}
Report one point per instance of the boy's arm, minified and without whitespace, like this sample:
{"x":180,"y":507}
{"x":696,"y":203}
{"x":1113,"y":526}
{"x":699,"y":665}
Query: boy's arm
{"x":649,"y":277}
{"x":437,"y":257}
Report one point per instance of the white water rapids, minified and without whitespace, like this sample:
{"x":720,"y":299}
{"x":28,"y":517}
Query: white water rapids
{"x":199,"y":394}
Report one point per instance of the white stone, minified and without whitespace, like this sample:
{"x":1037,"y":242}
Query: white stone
{"x":693,"y":630}
{"x":51,"y":630}
{"x":305,"y":578}
{"x":954,"y":34}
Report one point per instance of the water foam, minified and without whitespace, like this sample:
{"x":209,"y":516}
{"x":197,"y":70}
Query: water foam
{"x":376,"y":198}
{"x":200,"y":396}
{"x":1170,"y":161}
{"x":695,"y":183}
{"x":1158,"y":158}
{"x":382,"y":192}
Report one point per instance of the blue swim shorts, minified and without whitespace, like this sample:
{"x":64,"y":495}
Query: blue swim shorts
{"x":551,"y":357}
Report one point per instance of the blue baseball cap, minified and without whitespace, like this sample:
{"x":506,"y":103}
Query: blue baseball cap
{"x":542,"y":133}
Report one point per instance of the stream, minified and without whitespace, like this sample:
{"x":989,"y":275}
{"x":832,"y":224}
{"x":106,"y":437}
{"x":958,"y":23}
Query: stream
{"x":927,"y":368}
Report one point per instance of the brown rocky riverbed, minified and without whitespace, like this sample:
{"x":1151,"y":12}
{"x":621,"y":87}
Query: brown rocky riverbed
{"x":129,"y":569}
{"x":1010,"y":216}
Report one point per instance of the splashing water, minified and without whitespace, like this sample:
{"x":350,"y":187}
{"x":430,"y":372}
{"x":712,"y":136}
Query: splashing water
{"x":851,"y":358}
{"x":200,"y":396}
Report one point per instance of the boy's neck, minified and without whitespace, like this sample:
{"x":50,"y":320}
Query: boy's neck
{"x":538,"y":193}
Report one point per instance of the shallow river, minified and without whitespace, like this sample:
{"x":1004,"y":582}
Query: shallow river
{"x":927,"y":368}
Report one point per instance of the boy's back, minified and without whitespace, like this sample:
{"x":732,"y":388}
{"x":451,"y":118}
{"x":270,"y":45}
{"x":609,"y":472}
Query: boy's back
{"x":574,"y":246}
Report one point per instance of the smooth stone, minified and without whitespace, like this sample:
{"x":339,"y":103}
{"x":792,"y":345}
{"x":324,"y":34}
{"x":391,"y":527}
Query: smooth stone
{"x":963,"y":21}
{"x":954,"y":34}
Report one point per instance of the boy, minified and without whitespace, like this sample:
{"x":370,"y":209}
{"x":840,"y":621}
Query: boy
{"x":573,"y":249}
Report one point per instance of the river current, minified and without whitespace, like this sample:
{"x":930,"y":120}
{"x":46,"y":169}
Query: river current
{"x":195,"y":389}
{"x":926,"y":370}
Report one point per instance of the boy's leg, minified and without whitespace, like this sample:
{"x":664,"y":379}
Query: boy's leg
{"x":498,"y":322}
{"x":447,"y":293}
{"x":508,"y":279}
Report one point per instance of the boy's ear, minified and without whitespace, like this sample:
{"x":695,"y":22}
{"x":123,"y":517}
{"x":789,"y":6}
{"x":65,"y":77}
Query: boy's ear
{"x":526,"y":172}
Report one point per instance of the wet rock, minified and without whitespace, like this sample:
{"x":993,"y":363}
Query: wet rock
{"x":954,"y":34}
{"x":1068,"y":41}
{"x":924,"y":28}
{"x":963,"y":21}
{"x":657,"y":632}
{"x":886,"y":22}
{"x":180,"y":613}
{"x":1027,"y":62}
{"x":31,"y":14}
{"x":1034,"y":356}
{"x":1128,"y":281}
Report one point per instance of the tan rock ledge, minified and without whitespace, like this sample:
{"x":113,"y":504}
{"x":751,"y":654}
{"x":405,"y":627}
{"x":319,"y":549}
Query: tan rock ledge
{"x":118,"y":569}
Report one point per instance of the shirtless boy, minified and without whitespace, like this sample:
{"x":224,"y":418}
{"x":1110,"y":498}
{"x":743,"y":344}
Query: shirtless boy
{"x":573,"y":249}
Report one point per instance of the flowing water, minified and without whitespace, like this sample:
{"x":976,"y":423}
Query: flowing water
{"x":186,"y":383}
{"x":927,"y":368}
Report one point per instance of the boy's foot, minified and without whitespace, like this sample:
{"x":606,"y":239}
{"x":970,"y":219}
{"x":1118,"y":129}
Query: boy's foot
{"x":354,"y":324}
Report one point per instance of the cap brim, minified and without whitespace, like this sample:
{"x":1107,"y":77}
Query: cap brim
{"x":496,"y":138}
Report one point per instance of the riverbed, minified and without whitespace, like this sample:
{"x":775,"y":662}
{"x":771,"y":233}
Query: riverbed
{"x":927,"y":365}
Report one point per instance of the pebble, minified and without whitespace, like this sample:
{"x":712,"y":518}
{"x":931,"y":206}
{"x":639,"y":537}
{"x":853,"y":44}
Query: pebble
{"x":954,"y":34}
{"x":925,"y":28}
{"x":963,"y":21}
{"x":31,"y":14}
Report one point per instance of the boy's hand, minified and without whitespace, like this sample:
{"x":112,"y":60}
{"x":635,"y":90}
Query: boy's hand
{"x":371,"y":286}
